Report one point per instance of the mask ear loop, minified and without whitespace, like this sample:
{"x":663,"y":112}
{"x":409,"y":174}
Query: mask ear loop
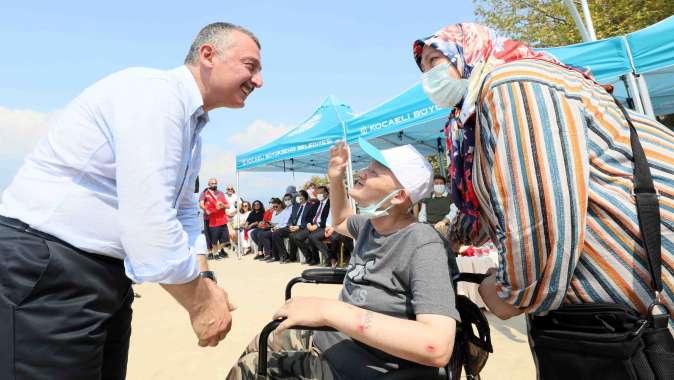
{"x":392,"y":195}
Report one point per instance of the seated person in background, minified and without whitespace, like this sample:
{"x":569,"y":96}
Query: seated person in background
{"x":396,"y":308}
{"x":336,"y":240}
{"x":438,"y":209}
{"x":260,"y":227}
{"x":279,"y":219}
{"x":318,"y":214}
{"x":242,"y":217}
{"x":296,"y":222}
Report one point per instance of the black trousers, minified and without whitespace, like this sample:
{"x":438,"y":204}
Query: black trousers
{"x":277,"y":238}
{"x":301,"y":240}
{"x":218,"y":234}
{"x":65,"y":313}
{"x":315,"y":238}
{"x":336,"y":239}
{"x":265,"y":240}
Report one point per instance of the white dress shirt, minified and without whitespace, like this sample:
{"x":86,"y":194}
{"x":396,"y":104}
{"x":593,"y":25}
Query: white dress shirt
{"x":280,"y":220}
{"x":115,"y":174}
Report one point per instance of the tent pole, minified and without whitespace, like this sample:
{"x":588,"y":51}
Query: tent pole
{"x":633,"y":90}
{"x":441,"y":163}
{"x":349,"y":170}
{"x":238,"y":219}
{"x":576,"y":18}
{"x":645,"y":96}
{"x":588,"y":20}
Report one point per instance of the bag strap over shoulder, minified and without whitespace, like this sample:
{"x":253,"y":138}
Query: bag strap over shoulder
{"x":648,"y":207}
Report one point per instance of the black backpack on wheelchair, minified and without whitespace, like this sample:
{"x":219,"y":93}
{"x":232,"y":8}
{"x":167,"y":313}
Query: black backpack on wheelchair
{"x":472,"y":343}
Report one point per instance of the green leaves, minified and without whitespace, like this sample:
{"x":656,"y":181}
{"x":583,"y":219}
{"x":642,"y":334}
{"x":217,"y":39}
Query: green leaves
{"x":548,"y":23}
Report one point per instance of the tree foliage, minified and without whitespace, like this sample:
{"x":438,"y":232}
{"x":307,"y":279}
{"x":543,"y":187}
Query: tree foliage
{"x":548,"y":23}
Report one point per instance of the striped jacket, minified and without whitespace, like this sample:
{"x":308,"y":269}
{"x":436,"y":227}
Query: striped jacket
{"x":552,"y":172}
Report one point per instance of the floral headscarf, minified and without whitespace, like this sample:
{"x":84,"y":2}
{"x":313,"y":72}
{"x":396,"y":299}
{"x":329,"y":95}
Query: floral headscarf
{"x":474,"y":50}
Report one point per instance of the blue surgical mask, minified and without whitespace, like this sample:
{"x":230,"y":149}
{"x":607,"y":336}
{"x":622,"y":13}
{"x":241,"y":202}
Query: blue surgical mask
{"x":372,"y":211}
{"x":441,"y":88}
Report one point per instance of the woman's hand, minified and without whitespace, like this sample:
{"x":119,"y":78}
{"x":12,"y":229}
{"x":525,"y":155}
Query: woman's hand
{"x":304,"y":311}
{"x":339,"y":158}
{"x":496,"y":305}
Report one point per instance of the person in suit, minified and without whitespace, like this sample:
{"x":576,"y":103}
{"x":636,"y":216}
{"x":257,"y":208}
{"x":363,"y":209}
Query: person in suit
{"x":296,"y":223}
{"x":318,"y":216}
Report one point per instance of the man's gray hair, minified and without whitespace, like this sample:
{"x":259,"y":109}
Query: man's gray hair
{"x":217,"y":34}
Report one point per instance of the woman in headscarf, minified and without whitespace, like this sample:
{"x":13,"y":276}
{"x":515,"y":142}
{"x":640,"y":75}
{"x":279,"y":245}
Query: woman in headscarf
{"x":541,"y":164}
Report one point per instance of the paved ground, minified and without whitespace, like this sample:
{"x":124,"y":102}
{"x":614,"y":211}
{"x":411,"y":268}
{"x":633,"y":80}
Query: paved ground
{"x":163,"y":345}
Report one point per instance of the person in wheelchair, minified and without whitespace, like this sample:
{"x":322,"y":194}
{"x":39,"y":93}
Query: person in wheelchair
{"x":397,"y":306}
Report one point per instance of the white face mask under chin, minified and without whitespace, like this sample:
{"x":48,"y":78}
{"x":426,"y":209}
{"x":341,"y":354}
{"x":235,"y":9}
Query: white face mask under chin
{"x":443,"y":90}
{"x":372,"y":211}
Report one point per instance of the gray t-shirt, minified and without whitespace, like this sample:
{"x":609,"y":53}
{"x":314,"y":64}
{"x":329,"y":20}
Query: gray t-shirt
{"x":402,"y":274}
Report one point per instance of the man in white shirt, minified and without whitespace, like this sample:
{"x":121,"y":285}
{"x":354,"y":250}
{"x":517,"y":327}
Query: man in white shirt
{"x":106,"y":199}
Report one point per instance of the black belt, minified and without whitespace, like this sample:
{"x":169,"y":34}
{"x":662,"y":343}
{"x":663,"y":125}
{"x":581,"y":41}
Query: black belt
{"x":18,"y":225}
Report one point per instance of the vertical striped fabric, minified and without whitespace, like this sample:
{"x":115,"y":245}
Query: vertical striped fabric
{"x":553,"y":169}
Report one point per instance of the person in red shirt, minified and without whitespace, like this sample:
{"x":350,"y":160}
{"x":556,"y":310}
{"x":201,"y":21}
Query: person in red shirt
{"x":215,"y":205}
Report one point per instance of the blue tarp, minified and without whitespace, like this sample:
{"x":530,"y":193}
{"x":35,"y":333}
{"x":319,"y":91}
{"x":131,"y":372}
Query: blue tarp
{"x":410,"y":118}
{"x":296,"y":150}
{"x":648,"y":52}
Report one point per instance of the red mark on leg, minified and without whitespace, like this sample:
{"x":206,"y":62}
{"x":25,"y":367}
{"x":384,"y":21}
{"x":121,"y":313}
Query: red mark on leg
{"x":361,"y":328}
{"x":430,"y":348}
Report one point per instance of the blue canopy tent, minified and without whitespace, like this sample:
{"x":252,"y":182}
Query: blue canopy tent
{"x":409,"y":118}
{"x":303,"y":148}
{"x":643,"y":59}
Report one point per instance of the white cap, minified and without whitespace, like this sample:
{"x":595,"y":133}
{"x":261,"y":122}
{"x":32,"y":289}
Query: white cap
{"x":410,"y":168}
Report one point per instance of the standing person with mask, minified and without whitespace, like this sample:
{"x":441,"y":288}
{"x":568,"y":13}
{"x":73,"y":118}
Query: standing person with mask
{"x":231,"y":211}
{"x":542,"y":163}
{"x":105,"y":200}
{"x":438,"y":210}
{"x":216,"y":206}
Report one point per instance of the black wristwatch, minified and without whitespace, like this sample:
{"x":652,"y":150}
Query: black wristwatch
{"x":208,"y":274}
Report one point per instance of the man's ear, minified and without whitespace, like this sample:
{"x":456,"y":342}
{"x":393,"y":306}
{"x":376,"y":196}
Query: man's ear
{"x":207,"y":54}
{"x":400,"y":198}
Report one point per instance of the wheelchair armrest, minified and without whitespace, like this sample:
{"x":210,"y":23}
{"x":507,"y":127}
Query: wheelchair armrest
{"x":263,"y":343}
{"x":317,"y":276}
{"x":325,"y":275}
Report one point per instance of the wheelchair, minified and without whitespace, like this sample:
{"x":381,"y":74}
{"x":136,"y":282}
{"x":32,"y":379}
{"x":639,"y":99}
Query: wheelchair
{"x":472,"y":343}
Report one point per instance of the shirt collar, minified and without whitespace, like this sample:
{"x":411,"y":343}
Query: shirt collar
{"x":194,"y":101}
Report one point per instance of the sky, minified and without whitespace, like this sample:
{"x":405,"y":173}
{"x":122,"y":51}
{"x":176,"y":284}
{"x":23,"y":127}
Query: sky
{"x":358,"y":51}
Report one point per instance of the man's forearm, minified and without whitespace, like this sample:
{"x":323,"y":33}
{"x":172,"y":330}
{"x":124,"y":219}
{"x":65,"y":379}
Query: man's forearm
{"x":189,"y":295}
